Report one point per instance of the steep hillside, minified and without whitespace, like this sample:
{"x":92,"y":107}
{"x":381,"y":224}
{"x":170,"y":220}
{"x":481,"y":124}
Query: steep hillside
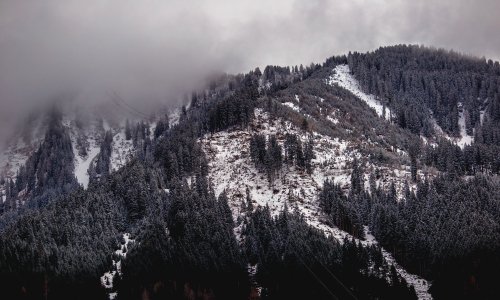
{"x":232,"y":171}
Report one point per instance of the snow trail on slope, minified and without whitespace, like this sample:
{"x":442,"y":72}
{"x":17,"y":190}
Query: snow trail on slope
{"x":343,"y":77}
{"x":464,"y":139}
{"x":421,"y":285}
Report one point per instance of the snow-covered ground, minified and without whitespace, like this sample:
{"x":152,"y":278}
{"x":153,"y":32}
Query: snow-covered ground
{"x":231,"y":170}
{"x":107,"y":278}
{"x":122,"y":150}
{"x":294,"y":106}
{"x":342,"y":76}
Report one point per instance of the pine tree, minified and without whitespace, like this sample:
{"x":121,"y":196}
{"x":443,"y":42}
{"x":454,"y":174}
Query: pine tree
{"x":128,"y":133}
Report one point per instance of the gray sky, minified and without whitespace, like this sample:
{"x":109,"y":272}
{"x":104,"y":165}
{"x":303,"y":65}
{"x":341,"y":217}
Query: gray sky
{"x":150,"y":48}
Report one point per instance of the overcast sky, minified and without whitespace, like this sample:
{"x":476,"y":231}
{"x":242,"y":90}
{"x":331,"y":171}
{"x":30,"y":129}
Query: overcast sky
{"x":145,"y":49}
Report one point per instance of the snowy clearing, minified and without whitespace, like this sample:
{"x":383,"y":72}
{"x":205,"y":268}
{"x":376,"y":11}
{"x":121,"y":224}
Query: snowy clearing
{"x":82,"y":163}
{"x":232,"y":169}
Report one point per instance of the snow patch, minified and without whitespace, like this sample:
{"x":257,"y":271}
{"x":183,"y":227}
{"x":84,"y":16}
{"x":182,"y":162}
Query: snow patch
{"x":332,"y":119}
{"x":292,"y":106}
{"x":342,"y":77}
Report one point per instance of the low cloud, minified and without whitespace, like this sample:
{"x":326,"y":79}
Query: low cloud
{"x":154,"y":49}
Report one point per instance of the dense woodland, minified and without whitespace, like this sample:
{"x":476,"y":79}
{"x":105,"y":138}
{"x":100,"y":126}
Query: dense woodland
{"x":57,"y":239}
{"x":414,"y":81}
{"x":297,"y":261}
{"x":447,"y":231}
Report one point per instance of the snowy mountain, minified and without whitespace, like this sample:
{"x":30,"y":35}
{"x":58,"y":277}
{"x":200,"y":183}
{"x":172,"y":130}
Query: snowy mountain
{"x":365,"y":177}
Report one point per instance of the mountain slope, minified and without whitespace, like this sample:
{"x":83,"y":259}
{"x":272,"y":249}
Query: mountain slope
{"x":232,"y":171}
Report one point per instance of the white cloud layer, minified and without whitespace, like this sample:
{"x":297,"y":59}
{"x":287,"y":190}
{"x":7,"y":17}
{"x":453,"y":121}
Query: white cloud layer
{"x":153,"y":48}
